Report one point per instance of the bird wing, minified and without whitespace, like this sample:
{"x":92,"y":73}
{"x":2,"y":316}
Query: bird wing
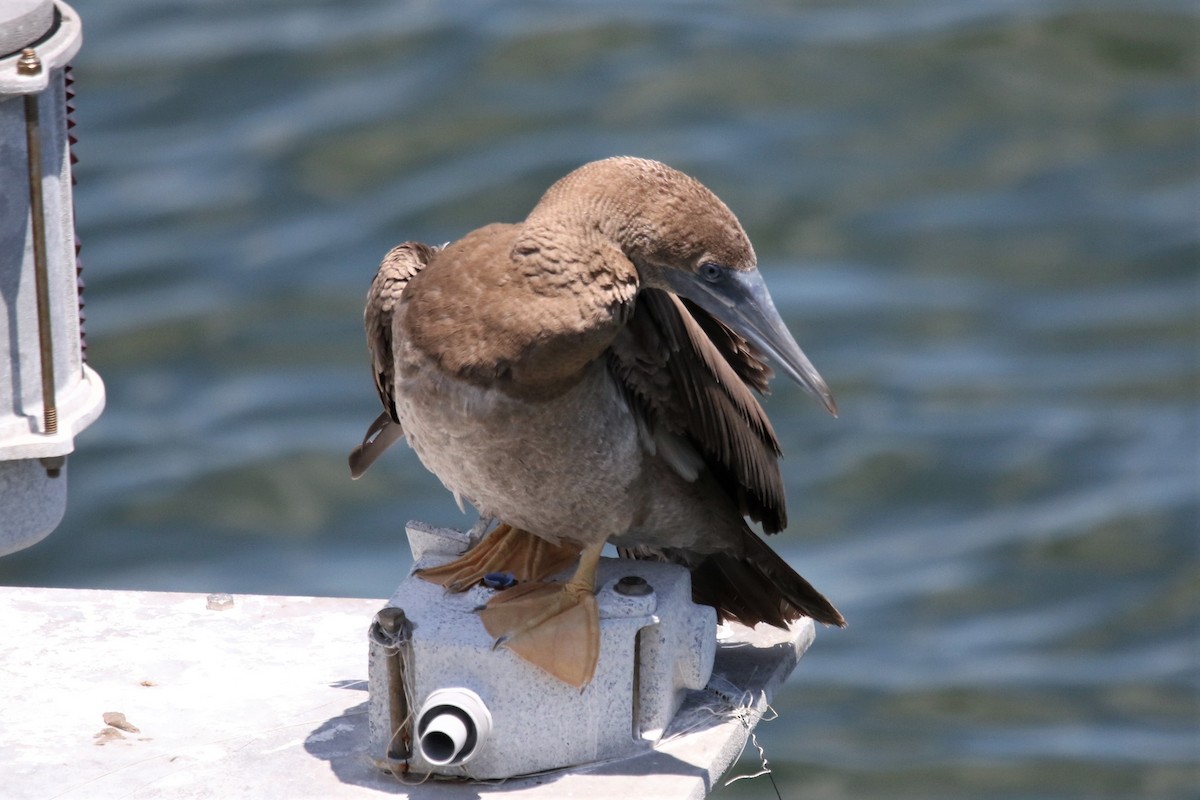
{"x":746,"y":360}
{"x":689,"y":381}
{"x":398,"y":267}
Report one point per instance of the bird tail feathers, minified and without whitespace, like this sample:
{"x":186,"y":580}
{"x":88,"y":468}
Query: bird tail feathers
{"x":752,"y":587}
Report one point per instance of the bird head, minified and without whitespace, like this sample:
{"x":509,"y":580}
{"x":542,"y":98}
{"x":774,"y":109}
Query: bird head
{"x":683,"y":239}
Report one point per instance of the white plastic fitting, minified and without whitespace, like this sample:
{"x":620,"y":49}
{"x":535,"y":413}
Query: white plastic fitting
{"x":452,"y":725}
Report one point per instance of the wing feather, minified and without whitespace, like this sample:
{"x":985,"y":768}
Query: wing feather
{"x":398,"y":267}
{"x":690,"y":377}
{"x":746,"y":360}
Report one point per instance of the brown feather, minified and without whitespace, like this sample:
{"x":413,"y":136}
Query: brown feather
{"x":684,"y":384}
{"x":399,"y":266}
{"x":755,"y":586}
{"x":746,"y":360}
{"x":382,"y":434}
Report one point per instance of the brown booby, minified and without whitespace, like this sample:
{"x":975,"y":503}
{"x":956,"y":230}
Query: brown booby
{"x":586,"y":376}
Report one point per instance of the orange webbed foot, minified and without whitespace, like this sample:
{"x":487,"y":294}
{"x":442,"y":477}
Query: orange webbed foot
{"x":554,"y":626}
{"x":550,"y":626}
{"x":506,"y":549}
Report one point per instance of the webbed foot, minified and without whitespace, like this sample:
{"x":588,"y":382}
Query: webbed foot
{"x":506,"y":549}
{"x":554,"y":626}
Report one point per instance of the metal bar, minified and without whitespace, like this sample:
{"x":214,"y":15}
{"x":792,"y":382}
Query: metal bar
{"x":397,"y":632}
{"x":41,"y":278}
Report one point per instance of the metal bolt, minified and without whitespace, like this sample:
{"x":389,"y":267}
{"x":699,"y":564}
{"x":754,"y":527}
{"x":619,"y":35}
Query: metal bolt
{"x":29,"y":63}
{"x":393,"y":632}
{"x":633,"y":586}
{"x":391,"y":619}
{"x":219,"y":601}
{"x":37,"y":218}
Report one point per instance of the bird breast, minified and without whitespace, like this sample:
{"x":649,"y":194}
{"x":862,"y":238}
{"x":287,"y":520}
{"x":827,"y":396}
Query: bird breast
{"x":559,"y":467}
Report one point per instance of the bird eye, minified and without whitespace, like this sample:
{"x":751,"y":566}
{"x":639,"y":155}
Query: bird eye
{"x":711,"y":272}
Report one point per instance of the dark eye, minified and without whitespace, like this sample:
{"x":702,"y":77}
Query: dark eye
{"x":711,"y":272}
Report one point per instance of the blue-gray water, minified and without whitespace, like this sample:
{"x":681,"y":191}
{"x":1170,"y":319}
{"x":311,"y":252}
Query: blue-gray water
{"x":981,"y":219}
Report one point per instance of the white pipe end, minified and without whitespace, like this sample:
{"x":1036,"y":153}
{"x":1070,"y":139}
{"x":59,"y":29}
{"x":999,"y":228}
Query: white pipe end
{"x":452,"y":725}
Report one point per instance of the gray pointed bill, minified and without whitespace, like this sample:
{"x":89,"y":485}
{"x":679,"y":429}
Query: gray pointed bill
{"x":740,"y":300}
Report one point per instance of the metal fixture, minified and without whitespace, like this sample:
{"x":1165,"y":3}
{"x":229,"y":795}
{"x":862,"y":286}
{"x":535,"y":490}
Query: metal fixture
{"x":484,"y":713}
{"x":47,"y":393}
{"x":29,"y":63}
{"x":391,"y":640}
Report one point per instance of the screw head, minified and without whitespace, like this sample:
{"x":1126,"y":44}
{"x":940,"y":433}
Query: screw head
{"x":633,"y":586}
{"x":29,"y":63}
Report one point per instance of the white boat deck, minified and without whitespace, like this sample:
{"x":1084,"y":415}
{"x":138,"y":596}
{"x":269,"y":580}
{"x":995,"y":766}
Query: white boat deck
{"x":266,"y":698}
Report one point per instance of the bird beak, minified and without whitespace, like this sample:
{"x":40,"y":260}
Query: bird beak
{"x":741,"y":301}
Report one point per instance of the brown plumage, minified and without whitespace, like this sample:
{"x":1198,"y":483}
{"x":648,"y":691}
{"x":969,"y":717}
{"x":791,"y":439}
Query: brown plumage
{"x":400,"y":264}
{"x":588,"y":375}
